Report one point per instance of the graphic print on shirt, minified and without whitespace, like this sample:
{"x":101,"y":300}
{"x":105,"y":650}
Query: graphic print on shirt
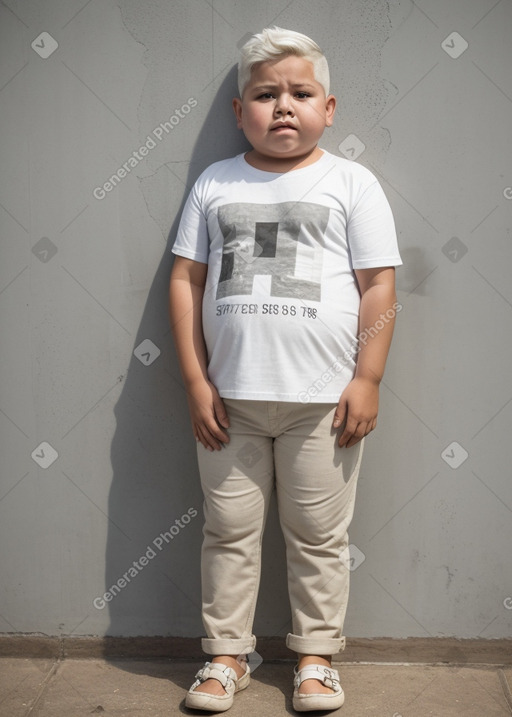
{"x":283,"y":241}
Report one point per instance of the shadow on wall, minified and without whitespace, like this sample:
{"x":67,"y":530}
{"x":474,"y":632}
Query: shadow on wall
{"x":155,"y":502}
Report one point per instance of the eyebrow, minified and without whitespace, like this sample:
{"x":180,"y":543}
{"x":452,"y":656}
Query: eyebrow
{"x":295,"y":86}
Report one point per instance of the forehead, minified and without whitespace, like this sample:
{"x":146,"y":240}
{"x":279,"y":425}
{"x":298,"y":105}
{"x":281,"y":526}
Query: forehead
{"x":284,"y":70}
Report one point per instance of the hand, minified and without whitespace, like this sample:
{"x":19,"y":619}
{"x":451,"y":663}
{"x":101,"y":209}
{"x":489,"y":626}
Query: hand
{"x":208,"y":415}
{"x":358,"y":407}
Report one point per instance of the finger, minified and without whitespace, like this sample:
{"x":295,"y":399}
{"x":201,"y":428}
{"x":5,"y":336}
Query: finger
{"x":220,"y":412}
{"x":198,"y":433}
{"x":339,"y":415}
{"x":354,"y":440}
{"x":208,"y":434}
{"x":350,"y":429}
{"x":200,"y":438}
{"x":208,"y":440}
{"x":370,"y":426}
{"x":217,"y":433}
{"x":354,"y":432}
{"x":207,"y":429}
{"x":361,"y":432}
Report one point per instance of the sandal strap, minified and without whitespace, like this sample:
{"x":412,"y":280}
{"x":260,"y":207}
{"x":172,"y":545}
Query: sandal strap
{"x":216,"y":671}
{"x":327,"y":675}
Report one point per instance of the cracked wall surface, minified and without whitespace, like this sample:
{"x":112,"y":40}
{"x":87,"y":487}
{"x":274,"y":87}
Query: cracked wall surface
{"x":99,"y":483}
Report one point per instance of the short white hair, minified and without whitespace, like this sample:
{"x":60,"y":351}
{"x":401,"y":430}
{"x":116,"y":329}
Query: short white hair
{"x":274,"y":43}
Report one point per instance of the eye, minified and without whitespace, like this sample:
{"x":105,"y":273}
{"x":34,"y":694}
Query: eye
{"x":302,"y":95}
{"x":265,"y":96}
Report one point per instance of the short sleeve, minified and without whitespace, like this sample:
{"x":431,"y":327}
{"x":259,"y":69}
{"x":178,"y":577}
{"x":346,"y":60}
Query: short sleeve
{"x":192,"y":241}
{"x":371,"y":231}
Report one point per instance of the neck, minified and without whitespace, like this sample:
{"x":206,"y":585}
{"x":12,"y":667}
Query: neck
{"x":282,"y":164}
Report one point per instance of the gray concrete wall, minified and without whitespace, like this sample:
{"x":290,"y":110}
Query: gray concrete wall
{"x":97,"y":456}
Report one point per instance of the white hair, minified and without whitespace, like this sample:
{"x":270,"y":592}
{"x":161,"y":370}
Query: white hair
{"x":274,"y":43}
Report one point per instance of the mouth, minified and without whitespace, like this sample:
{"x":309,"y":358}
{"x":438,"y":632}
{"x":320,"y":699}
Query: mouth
{"x":283,"y":126}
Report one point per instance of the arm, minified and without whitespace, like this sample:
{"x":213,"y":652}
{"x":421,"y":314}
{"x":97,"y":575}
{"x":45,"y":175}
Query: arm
{"x":359,"y":402}
{"x":206,"y":407}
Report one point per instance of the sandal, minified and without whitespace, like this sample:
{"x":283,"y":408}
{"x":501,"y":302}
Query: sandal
{"x":318,"y":701}
{"x":228,"y":679}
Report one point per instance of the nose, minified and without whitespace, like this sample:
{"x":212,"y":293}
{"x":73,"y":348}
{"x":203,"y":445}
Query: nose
{"x":283,"y":105}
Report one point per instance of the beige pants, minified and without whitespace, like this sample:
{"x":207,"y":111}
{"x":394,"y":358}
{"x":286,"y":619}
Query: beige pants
{"x":294,"y":446}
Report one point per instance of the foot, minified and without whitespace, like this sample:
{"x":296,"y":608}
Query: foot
{"x":316,"y":685}
{"x":313,"y":687}
{"x":214,"y":687}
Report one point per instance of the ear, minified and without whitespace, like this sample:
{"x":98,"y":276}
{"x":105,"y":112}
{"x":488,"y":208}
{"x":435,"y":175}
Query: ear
{"x":330,"y":107}
{"x":237,"y":108}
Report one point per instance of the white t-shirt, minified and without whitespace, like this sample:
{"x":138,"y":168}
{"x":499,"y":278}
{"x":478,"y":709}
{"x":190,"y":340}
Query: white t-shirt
{"x":281,"y":302}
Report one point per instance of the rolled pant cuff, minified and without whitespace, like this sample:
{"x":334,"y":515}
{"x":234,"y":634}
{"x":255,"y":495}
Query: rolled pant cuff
{"x":228,"y":646}
{"x":315,"y":645}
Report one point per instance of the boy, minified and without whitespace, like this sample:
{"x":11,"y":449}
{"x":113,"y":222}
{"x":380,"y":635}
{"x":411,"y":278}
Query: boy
{"x":285,"y":256}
